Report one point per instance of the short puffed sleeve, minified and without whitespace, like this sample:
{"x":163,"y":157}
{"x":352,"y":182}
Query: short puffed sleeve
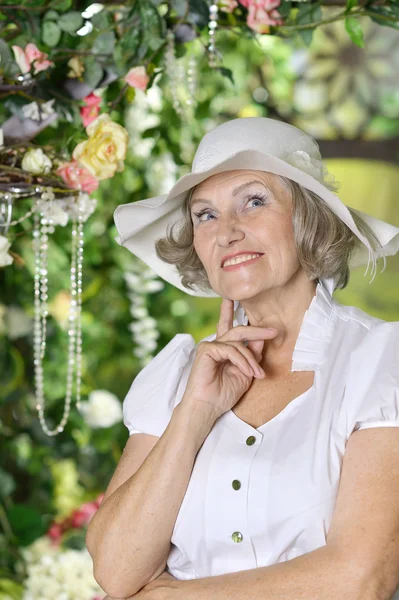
{"x":372,"y":390}
{"x":159,"y":387}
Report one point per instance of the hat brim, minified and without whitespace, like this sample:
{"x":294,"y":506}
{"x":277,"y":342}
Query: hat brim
{"x":141,"y":223}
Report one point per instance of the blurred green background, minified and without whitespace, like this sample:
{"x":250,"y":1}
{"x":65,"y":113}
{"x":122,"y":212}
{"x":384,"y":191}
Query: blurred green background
{"x":126,"y":321}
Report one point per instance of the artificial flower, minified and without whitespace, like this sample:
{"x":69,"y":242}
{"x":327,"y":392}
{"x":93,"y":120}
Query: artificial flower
{"x":104,"y":152}
{"x":103,"y":409}
{"x":54,"y":572}
{"x":77,"y":177}
{"x":262,"y":14}
{"x":91,"y":111}
{"x":36,"y":162}
{"x":38,"y":113}
{"x":76,"y":66}
{"x":29,"y":57}
{"x":137,"y":77}
{"x":5,"y":258}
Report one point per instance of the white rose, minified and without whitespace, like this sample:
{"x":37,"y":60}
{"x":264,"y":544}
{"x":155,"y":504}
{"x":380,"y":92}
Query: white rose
{"x":5,"y":258}
{"x":36,"y":162}
{"x":102,"y":410}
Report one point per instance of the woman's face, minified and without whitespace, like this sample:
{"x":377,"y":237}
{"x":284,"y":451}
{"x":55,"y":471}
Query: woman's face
{"x":244,"y":211}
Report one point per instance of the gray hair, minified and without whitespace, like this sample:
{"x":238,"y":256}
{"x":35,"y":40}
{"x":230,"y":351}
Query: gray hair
{"x":324,"y":242}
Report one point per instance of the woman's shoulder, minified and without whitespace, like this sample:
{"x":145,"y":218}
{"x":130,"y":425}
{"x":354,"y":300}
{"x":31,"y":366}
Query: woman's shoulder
{"x":370,"y":329}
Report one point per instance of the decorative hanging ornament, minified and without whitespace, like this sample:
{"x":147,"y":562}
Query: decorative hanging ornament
{"x":43,"y":226}
{"x":212,"y":26}
{"x":181,"y":78}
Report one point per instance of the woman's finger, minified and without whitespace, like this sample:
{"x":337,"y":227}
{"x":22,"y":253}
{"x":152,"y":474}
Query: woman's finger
{"x":221,"y":352}
{"x":248,"y":353}
{"x":226,"y":317}
{"x":248,"y":333}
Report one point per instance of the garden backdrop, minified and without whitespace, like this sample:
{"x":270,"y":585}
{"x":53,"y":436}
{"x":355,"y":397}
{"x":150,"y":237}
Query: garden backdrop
{"x":103,"y":104}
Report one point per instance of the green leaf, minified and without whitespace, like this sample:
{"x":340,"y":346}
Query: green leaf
{"x":26,"y":523}
{"x":71,"y":21}
{"x":7,"y":484}
{"x":5,"y":54}
{"x":104,"y":43}
{"x":10,"y":590}
{"x":51,"y":15}
{"x":51,"y":33}
{"x":285,"y":8}
{"x":61,"y":5}
{"x":227,"y":73}
{"x":355,"y":31}
{"x":93,"y":72}
{"x":100,"y":20}
{"x":306,"y":35}
{"x":350,"y":4}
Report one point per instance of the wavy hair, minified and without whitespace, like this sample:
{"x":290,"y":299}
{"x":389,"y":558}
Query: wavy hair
{"x":324,"y":242}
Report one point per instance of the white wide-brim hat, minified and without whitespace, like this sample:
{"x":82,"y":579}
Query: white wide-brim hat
{"x":255,"y":143}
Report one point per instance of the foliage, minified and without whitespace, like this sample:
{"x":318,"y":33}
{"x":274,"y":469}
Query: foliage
{"x":86,"y":46}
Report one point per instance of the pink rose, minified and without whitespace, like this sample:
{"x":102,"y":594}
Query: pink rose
{"x":137,"y":78}
{"x":92,"y":99}
{"x":77,"y":177}
{"x":262,"y":14}
{"x":84,"y":514}
{"x":31,"y":56}
{"x":89,"y":114}
{"x":55,"y":532}
{"x":91,"y":111}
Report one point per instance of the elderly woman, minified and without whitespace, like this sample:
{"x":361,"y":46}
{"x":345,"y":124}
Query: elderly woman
{"x":247,"y":473}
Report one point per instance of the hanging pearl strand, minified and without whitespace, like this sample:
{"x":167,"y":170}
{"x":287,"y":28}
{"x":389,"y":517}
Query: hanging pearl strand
{"x":212,"y":25}
{"x":172,"y":71}
{"x":178,"y":75}
{"x":43,"y":226}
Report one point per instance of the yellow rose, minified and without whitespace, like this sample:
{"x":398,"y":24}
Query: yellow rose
{"x":105,"y":150}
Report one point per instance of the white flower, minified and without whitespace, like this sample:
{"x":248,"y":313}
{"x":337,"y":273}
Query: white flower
{"x":102,"y":410}
{"x":18,"y":322}
{"x":54,"y":573}
{"x":5,"y":258}
{"x":313,"y":166}
{"x":36,"y":162}
{"x":36,"y":113}
{"x":1,"y":138}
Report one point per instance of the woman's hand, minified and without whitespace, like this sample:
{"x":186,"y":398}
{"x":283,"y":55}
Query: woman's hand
{"x":223,"y":369}
{"x":161,"y":588}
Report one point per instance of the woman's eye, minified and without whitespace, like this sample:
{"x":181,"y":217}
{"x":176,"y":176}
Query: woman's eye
{"x":260,"y":199}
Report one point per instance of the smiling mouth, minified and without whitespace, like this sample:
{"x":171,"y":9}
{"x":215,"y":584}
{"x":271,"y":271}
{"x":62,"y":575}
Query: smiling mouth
{"x":241,"y":263}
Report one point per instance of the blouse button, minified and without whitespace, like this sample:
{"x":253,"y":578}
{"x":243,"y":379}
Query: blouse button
{"x":251,"y":440}
{"x":237,"y":536}
{"x":236,"y":484}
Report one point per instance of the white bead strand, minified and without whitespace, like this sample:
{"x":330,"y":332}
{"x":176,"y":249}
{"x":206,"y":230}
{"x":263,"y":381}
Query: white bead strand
{"x":212,"y":26}
{"x":40,"y":246}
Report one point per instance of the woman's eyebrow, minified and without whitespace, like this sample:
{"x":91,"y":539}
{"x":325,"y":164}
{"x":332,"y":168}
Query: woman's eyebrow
{"x":236,"y":191}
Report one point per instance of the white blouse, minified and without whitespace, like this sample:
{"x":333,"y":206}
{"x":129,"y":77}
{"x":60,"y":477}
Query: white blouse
{"x":261,"y":496}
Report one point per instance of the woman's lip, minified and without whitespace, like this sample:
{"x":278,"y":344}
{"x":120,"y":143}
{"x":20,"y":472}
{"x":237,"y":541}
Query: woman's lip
{"x":242,"y":264}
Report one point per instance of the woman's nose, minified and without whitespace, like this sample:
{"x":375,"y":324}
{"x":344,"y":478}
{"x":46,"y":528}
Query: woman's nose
{"x":228,"y":230}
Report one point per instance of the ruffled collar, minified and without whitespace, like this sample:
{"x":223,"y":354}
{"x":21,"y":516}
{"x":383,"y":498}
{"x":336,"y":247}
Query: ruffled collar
{"x":316,"y":329}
